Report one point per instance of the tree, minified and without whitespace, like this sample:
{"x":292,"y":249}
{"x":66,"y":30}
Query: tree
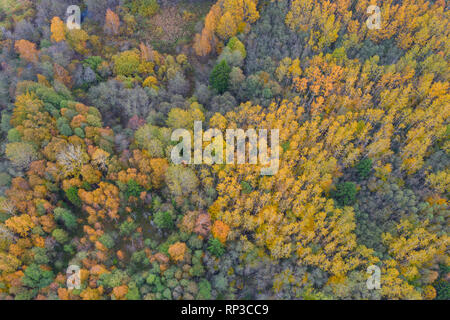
{"x":72,"y":196}
{"x":107,"y":241}
{"x":57,"y":29}
{"x":220,"y":231}
{"x":181,"y":181}
{"x":345,"y":193}
{"x":65,"y":216}
{"x":364,"y":167}
{"x":126,"y":63}
{"x":112,"y":22}
{"x":145,"y":8}
{"x":204,"y":290}
{"x":163,"y":220}
{"x":21,"y":154}
{"x":205,"y":42}
{"x":37,"y":278}
{"x":177,"y":251}
{"x":220,"y":77}
{"x":71,"y":159}
{"x":27,"y":50}
{"x":227,"y":26}
{"x":235,"y":44}
{"x":179,"y":85}
{"x":60,"y":236}
{"x":20,"y":224}
{"x":216,"y":247}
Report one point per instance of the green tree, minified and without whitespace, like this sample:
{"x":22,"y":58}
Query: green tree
{"x":36,"y":277}
{"x":60,"y":235}
{"x":364,"y":167}
{"x":64,"y":215}
{"x":216,"y":247}
{"x":14,"y":135}
{"x":204,"y":290}
{"x":163,"y":220}
{"x":220,"y":76}
{"x":107,"y":240}
{"x":133,"y":188}
{"x":344,"y":194}
{"x":72,"y":196}
{"x":236,"y":44}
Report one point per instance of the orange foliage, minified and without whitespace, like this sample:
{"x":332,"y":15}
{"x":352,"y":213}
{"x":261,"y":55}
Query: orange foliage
{"x":27,"y":50}
{"x":220,"y":230}
{"x":177,"y":251}
{"x":112,"y":22}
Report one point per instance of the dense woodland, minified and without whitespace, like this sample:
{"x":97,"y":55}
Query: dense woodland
{"x":85,"y":140}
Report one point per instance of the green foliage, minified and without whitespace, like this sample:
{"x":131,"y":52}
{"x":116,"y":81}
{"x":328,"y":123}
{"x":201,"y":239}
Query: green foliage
{"x":107,"y":240}
{"x":204,"y":290}
{"x":64,"y":215}
{"x":167,"y":294}
{"x":442,"y":285}
{"x":311,"y":294}
{"x":93,"y":62}
{"x":40,"y":256}
{"x":442,"y":290}
{"x":5,"y":125}
{"x":344,"y":193}
{"x":220,"y":77}
{"x":127,"y":227}
{"x":79,"y":132}
{"x":364,"y":167}
{"x":36,"y":277}
{"x":14,"y":135}
{"x":72,"y":196}
{"x":216,"y":247}
{"x":113,"y":279}
{"x":236,"y":44}
{"x":133,"y":292}
{"x":70,"y":249}
{"x":246,"y":187}
{"x":163,"y":220}
{"x":5,"y":179}
{"x":60,"y":236}
{"x":151,"y":278}
{"x":126,"y":63}
{"x":139,"y":259}
{"x":145,"y":8}
{"x":133,"y":189}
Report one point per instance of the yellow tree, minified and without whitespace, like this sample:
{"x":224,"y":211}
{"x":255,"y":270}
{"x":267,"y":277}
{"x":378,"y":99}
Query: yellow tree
{"x":57,"y":29}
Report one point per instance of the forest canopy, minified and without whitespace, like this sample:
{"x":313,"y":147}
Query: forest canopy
{"x":87,"y":180}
